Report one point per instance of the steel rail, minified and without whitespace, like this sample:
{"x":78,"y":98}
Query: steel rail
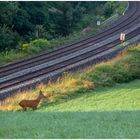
{"x":63,"y":64}
{"x":24,"y":65}
{"x":53,"y":56}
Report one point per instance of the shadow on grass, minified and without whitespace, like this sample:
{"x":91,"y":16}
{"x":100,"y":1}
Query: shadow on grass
{"x":117,"y":124}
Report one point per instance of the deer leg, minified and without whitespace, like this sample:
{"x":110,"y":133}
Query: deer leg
{"x":34,"y":108}
{"x":24,"y":109}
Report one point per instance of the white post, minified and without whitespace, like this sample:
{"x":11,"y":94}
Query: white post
{"x":98,"y":23}
{"x":122,"y":37}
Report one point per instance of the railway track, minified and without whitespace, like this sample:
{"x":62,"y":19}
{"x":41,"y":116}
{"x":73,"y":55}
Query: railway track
{"x":24,"y":73}
{"x":73,"y":47}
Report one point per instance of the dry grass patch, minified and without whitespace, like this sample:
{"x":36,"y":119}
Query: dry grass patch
{"x":11,"y":103}
{"x":72,"y":84}
{"x":64,"y":87}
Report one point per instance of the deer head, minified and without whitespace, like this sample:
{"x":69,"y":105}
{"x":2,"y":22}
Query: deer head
{"x":41,"y":95}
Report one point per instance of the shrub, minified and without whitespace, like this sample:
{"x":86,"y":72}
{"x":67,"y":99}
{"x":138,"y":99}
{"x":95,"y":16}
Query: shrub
{"x":25,"y":45}
{"x":35,"y":46}
{"x":86,"y":21}
{"x":109,"y":8}
{"x":41,"y":43}
{"x":101,"y":75}
{"x":122,"y":71}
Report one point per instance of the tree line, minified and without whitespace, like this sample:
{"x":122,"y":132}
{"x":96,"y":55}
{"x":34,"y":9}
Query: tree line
{"x":25,"y":21}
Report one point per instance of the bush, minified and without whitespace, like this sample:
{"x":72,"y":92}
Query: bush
{"x":107,"y":75}
{"x":109,"y":8}
{"x":35,"y":46}
{"x":122,"y":71}
{"x":86,"y":21}
{"x":41,"y":43}
{"x":101,"y":76}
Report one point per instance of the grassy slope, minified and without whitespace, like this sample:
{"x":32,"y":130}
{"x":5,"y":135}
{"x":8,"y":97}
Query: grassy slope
{"x":117,"y":116}
{"x":118,"y":98}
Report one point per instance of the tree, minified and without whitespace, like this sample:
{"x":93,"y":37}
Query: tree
{"x":7,"y":11}
{"x":39,"y":32}
{"x":109,"y":8}
{"x":8,"y":38}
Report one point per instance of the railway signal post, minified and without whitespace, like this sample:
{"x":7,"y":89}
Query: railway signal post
{"x":98,"y":23}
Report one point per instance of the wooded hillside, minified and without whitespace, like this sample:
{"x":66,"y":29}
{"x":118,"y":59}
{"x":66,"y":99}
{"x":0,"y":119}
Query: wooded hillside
{"x":26,"y":21}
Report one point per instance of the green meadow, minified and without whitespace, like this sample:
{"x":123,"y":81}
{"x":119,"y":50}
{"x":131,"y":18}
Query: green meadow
{"x":104,"y":113}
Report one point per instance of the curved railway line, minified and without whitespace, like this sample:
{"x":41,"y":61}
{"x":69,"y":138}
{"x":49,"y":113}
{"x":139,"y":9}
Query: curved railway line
{"x":26,"y":73}
{"x":76,"y":46}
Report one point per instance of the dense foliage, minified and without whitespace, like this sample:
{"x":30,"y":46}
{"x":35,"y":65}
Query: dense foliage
{"x":25,"y":21}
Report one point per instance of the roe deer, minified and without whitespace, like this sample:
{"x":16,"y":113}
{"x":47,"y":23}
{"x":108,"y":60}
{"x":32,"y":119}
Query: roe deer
{"x":31,"y":103}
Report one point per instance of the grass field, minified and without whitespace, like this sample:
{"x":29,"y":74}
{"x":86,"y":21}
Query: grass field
{"x":105,"y":113}
{"x":123,"y":97}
